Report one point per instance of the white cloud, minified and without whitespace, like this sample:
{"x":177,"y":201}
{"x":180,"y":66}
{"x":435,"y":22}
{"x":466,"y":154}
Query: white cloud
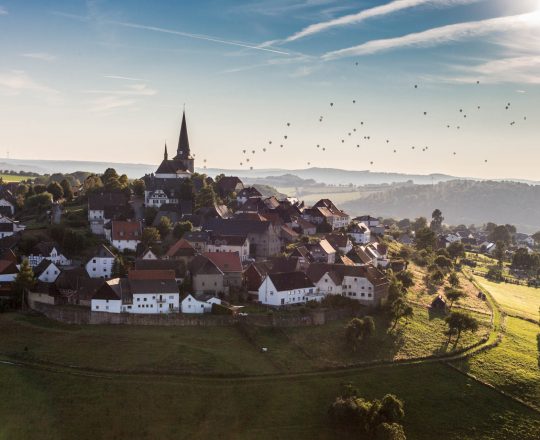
{"x":518,"y":70}
{"x":125,"y":78}
{"x":377,"y":11}
{"x":16,"y":82}
{"x":42,"y":56}
{"x":106,"y":103}
{"x":129,"y":90}
{"x":3,"y":10}
{"x":441,"y":35}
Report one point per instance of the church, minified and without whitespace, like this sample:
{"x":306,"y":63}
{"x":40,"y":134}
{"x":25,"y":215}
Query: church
{"x":163,"y":186}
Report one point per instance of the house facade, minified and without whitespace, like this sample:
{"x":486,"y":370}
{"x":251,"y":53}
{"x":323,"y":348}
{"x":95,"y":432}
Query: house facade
{"x":101,"y":264}
{"x":285,"y":289}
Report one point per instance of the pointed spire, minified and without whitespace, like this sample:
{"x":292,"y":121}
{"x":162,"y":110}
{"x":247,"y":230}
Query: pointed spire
{"x":183,"y":142}
{"x":165,"y":155}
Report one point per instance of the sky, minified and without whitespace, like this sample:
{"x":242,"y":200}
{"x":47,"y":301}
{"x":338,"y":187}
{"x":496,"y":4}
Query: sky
{"x":104,"y":80}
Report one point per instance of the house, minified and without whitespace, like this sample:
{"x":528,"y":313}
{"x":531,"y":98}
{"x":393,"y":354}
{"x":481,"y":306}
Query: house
{"x":238,"y":244}
{"x":378,"y":253}
{"x":47,"y":250}
{"x":287,"y":288}
{"x":101,"y":264}
{"x":206,"y":277}
{"x":264,"y":236}
{"x":253,"y":277}
{"x":43,"y":293}
{"x":338,"y":218}
{"x":244,"y":194}
{"x":181,"y":250}
{"x":46,"y":271}
{"x":322,"y":252}
{"x":303,"y":226}
{"x":8,"y":271}
{"x":365,"y":284}
{"x":7,"y":202}
{"x":203,"y":304}
{"x":106,"y":206}
{"x":124,"y":235}
{"x":339,"y":242}
{"x":360,"y":233}
{"x":197,"y":239}
{"x":438,"y":304}
{"x":76,"y":287}
{"x":229,"y":263}
{"x":148,"y":254}
{"x":143,"y":292}
{"x":9,"y":227}
{"x":177,"y":266}
{"x":368,"y":220}
{"x":229,"y":184}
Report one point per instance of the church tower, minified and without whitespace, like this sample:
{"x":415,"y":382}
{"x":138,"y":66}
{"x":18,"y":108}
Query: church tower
{"x":183,"y":153}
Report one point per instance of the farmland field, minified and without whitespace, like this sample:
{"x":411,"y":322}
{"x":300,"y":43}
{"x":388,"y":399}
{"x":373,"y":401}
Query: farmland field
{"x":14,"y":178}
{"x":515,"y":300}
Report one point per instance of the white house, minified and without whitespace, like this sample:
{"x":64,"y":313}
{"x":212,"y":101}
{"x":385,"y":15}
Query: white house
{"x":281,"y":289}
{"x":365,"y":284}
{"x":229,"y":243}
{"x":101,"y":264}
{"x":46,"y":271}
{"x":7,"y":203}
{"x":9,"y":227}
{"x":360,"y":233}
{"x":105,"y":206}
{"x":47,"y":250}
{"x":190,"y":304}
{"x":124,"y":235}
{"x":144,"y":292}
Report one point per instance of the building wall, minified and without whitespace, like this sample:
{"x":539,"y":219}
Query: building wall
{"x":153,"y":303}
{"x":100,"y":267}
{"x":203,"y":283}
{"x":4,"y":202}
{"x":269,"y":295}
{"x":122,"y":245}
{"x":243,"y":251}
{"x":50,"y":274}
{"x":106,"y":305}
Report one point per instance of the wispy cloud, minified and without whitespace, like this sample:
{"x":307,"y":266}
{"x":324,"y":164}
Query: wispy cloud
{"x":42,"y":56}
{"x":518,"y":70}
{"x":16,"y":82}
{"x":441,"y":35}
{"x":125,"y":78}
{"x":203,"y":37}
{"x":3,"y":10}
{"x":107,"y":103}
{"x":377,"y":11}
{"x":129,"y":90}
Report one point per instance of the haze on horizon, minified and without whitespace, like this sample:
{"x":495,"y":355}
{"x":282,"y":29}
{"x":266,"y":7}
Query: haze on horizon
{"x":106,"y":81}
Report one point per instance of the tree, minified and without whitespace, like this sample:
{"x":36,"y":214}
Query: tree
{"x":38,"y":189}
{"x":25,"y":280}
{"x":443,"y":263}
{"x":406,"y":277}
{"x":66,"y":188}
{"x":454,"y":295}
{"x":500,"y":233}
{"x":456,"y":250}
{"x":150,"y":214}
{"x":419,"y":223}
{"x":359,"y":328}
{"x":436,"y":221}
{"x":390,"y":431}
{"x":138,"y":187}
{"x":56,"y":190}
{"x":150,"y":236}
{"x":205,"y":198}
{"x":453,"y":279}
{"x":498,"y":253}
{"x":39,"y":202}
{"x":181,"y":228}
{"x":459,"y":322}
{"x":425,"y":238}
{"x":400,"y":309}
{"x":119,"y":269}
{"x":536,"y":238}
{"x":437,"y":277}
{"x":165,"y":226}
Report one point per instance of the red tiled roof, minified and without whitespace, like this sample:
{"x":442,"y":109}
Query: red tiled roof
{"x":124,"y":230}
{"x":181,"y":248}
{"x":225,"y":261}
{"x":158,"y":274}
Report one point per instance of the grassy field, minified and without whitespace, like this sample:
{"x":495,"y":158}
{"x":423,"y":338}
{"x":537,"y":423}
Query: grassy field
{"x":513,"y":366}
{"x":222,"y":350}
{"x":515,"y":300}
{"x":439,"y":403}
{"x":12,"y":178}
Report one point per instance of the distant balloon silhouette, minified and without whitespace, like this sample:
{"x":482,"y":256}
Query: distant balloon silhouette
{"x":288,"y":124}
{"x":416,"y":86}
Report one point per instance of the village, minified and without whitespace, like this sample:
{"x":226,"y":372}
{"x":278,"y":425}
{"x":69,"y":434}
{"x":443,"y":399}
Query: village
{"x":176,"y":241}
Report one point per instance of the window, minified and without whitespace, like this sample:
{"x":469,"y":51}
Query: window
{"x":94,"y":260}
{"x":138,"y":299}
{"x":144,"y":299}
{"x":97,"y":307}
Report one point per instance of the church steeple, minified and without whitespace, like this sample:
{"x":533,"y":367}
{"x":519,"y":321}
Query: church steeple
{"x":183,"y":141}
{"x":165,"y":155}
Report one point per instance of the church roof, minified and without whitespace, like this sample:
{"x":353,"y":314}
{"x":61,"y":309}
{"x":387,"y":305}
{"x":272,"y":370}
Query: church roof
{"x":183,"y":141}
{"x":171,"y":167}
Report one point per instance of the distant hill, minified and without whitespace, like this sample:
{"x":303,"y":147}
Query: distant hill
{"x":461,"y":201}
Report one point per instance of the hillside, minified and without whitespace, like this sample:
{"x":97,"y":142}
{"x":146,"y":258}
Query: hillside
{"x":462,"y":202}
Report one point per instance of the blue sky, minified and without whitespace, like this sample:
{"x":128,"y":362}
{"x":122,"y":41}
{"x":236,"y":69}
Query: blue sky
{"x":106,"y":80}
